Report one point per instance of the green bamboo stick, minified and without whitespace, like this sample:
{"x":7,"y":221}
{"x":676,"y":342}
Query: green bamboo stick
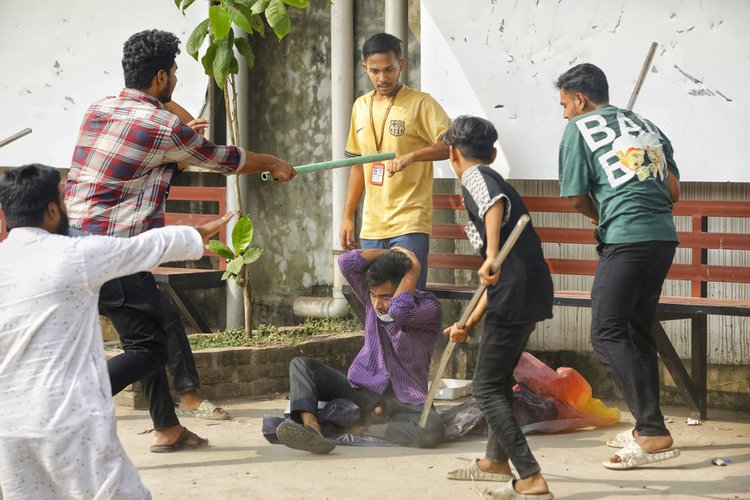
{"x":327,"y":165}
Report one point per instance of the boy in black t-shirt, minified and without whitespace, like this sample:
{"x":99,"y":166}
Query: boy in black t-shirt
{"x":514,"y":304}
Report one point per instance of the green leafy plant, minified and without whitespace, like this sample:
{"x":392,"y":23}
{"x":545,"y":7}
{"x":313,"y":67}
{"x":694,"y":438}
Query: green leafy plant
{"x":220,"y":62}
{"x":238,"y":257}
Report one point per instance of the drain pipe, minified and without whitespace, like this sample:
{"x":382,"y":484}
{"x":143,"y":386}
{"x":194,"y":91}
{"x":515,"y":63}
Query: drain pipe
{"x":397,"y":24}
{"x":342,"y":97}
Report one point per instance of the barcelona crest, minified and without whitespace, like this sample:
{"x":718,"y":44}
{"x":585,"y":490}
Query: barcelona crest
{"x":397,"y":127}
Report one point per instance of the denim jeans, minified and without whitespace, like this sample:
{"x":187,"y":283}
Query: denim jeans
{"x":626,"y":291}
{"x":419,"y":243}
{"x":501,"y":348}
{"x":311,"y":381}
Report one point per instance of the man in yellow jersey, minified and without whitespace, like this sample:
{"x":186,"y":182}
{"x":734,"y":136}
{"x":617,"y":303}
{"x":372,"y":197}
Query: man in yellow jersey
{"x":398,"y":194}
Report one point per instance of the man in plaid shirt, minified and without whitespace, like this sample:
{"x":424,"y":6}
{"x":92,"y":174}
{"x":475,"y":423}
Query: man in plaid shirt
{"x":125,"y":156}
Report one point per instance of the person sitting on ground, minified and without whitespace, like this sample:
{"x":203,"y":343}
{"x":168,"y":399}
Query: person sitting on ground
{"x":388,"y":378}
{"x":57,"y":419}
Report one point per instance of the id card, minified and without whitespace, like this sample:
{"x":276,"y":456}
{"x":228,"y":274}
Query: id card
{"x":378,"y":172}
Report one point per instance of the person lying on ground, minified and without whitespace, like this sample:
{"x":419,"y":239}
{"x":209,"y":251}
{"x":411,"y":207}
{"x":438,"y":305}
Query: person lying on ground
{"x":388,"y":377}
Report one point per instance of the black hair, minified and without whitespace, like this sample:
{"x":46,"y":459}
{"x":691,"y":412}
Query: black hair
{"x":381,"y":43}
{"x":391,"y":266}
{"x":145,"y":54}
{"x":475,"y":137}
{"x":587,"y":79}
{"x":26,"y":192}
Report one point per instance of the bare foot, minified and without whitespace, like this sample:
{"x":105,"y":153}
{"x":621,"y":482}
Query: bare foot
{"x":651,"y":444}
{"x":310,"y":420}
{"x":531,"y":485}
{"x":486,"y":465}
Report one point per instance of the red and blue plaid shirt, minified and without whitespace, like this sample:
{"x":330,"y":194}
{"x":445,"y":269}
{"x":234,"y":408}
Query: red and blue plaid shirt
{"x":125,"y":156}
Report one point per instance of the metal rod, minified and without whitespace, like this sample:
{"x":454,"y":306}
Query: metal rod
{"x":327,"y":165}
{"x":14,"y":137}
{"x":642,"y":76}
{"x":507,"y":247}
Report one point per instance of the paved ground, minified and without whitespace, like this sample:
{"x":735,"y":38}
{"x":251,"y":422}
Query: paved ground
{"x":241,"y":464}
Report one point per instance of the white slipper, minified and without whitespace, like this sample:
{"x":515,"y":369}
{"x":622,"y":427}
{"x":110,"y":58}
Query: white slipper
{"x":622,"y":439}
{"x":472,"y":472}
{"x":508,"y":492}
{"x":633,"y":455}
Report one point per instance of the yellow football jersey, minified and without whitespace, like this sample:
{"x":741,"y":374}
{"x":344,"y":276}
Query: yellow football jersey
{"x":403,"y":203}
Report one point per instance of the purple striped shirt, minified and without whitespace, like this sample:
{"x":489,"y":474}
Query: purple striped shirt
{"x":396,"y":353}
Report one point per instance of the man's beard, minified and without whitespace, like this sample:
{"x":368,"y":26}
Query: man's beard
{"x":63,"y":226}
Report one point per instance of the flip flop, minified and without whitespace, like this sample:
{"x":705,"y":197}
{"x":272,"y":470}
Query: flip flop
{"x":303,"y":437}
{"x":633,"y":455}
{"x":508,"y":492}
{"x":472,"y":472}
{"x":205,"y":410}
{"x":622,"y":439}
{"x":181,"y":443}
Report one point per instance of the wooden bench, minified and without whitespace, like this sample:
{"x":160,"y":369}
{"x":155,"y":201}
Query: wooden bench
{"x":699,"y":273}
{"x":177,"y":281}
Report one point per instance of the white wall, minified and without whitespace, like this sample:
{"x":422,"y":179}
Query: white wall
{"x":489,"y":53}
{"x":59,"y":56}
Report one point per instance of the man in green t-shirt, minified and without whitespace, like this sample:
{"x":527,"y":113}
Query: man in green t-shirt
{"x":617,"y":169}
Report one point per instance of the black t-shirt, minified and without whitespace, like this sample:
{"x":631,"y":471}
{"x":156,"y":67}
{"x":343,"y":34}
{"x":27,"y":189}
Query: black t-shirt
{"x":523,"y":295}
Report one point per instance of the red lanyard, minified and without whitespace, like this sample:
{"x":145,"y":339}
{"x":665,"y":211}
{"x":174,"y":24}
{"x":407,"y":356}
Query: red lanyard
{"x":379,"y":144}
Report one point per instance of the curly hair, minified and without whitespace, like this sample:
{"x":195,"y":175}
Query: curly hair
{"x":145,"y":53}
{"x":586,"y":79}
{"x":391,"y":266}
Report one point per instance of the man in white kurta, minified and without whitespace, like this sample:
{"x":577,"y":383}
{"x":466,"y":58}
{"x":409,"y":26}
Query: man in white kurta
{"x":57,"y":420}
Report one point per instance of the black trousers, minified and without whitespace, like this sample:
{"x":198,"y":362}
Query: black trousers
{"x":312,"y":381}
{"x":627,"y":286}
{"x":181,"y":362}
{"x":501,"y":348}
{"x":135,"y":306}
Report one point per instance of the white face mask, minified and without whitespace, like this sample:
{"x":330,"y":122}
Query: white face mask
{"x":385,"y":318}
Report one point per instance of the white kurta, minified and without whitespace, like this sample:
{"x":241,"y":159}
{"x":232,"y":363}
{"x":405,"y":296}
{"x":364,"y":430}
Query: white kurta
{"x":57,"y":421}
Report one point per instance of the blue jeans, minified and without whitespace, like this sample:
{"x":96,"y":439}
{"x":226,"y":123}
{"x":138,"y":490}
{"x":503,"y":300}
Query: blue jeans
{"x":419,"y":243}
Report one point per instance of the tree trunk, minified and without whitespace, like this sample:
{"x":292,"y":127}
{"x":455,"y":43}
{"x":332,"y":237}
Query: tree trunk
{"x":247,"y":295}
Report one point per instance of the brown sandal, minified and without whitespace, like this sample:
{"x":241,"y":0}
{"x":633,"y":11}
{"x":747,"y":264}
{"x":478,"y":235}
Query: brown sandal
{"x":182,"y":443}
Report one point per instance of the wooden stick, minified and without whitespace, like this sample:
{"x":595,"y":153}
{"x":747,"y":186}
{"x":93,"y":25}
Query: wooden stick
{"x":14,"y":137}
{"x":507,"y":247}
{"x":642,"y":76}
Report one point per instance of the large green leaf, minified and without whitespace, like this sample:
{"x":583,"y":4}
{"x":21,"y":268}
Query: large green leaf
{"x":196,"y":39}
{"x":220,"y":22}
{"x":242,"y":235}
{"x":258,"y":24}
{"x":251,"y":255}
{"x":223,"y":63}
{"x":235,"y":266}
{"x":297,"y":3}
{"x":240,"y":18}
{"x":278,"y":18}
{"x":208,"y":60}
{"x":226,"y":276}
{"x":244,"y":48}
{"x":220,"y":249}
{"x":185,"y":5}
{"x":260,"y":6}
{"x":177,"y":3}
{"x":246,"y":3}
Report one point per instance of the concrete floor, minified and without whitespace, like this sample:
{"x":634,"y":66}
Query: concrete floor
{"x":241,"y":464}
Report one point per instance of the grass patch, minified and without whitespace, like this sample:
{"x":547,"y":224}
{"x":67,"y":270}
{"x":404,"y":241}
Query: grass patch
{"x":267,"y":335}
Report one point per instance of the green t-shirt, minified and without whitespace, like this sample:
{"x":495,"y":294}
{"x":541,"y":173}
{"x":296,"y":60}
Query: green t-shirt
{"x":623,"y":160}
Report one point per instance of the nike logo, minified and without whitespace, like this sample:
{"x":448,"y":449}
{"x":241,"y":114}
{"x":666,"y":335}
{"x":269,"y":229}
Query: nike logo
{"x":359,"y":129}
